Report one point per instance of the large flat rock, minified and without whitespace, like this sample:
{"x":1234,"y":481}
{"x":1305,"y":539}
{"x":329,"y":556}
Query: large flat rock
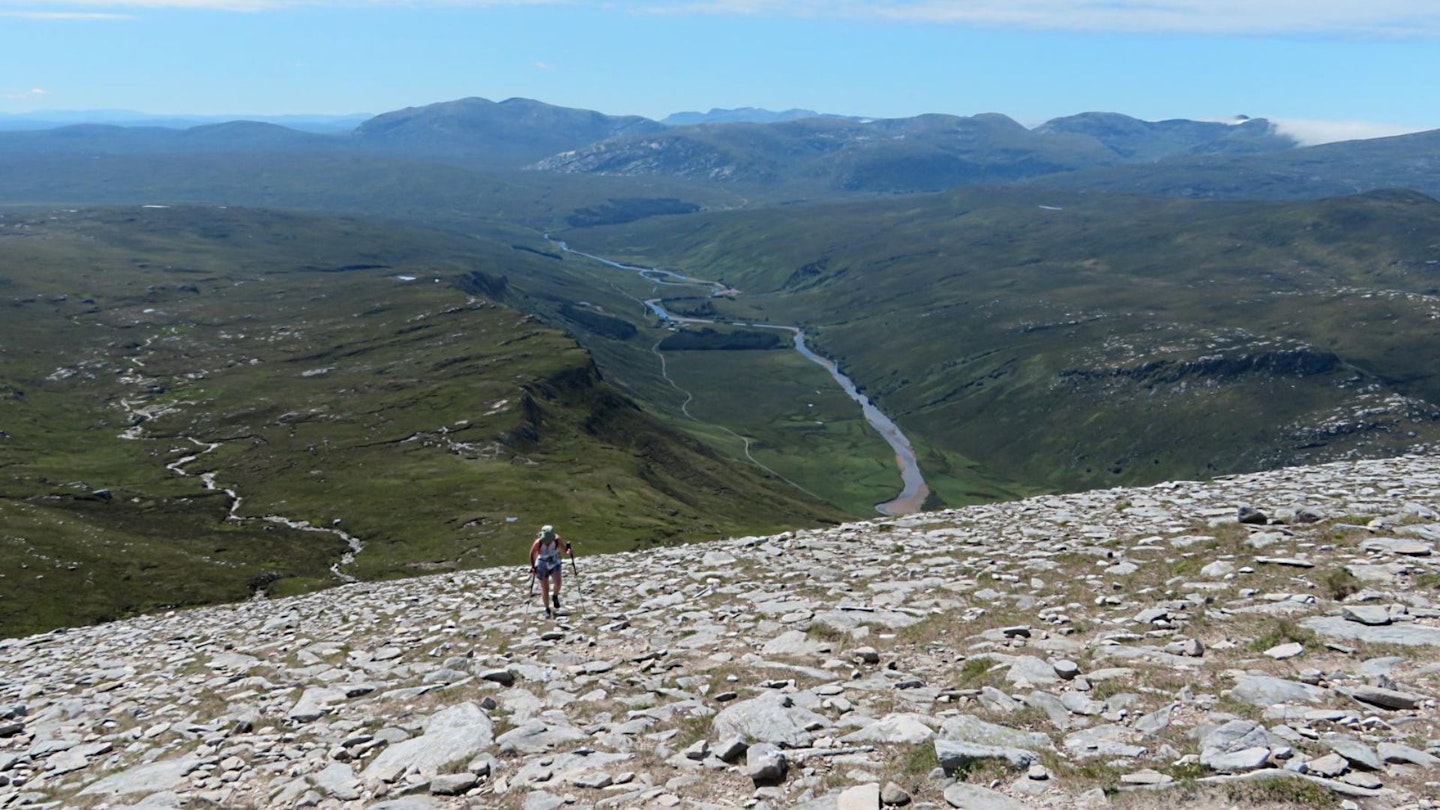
{"x":1407,"y":635}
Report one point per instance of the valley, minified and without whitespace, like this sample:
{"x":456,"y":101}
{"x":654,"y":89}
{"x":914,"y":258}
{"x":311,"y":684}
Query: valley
{"x":911,"y":497}
{"x":207,"y":404}
{"x":321,"y":344}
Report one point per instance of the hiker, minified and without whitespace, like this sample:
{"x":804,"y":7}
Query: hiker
{"x":545,"y":564}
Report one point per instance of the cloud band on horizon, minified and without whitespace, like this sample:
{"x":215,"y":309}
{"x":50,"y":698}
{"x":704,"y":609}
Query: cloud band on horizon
{"x":1346,"y":18}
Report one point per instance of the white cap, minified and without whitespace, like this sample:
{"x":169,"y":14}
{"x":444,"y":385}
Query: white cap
{"x":547,"y":528}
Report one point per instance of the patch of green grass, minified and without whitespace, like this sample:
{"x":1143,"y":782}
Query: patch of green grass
{"x":982,"y":771}
{"x":1291,"y":792}
{"x":1278,"y":632}
{"x":824,"y":632}
{"x":919,"y":762}
{"x":1425,"y":581}
{"x":1338,"y":583}
{"x":975,"y":672}
{"x":1188,"y":771}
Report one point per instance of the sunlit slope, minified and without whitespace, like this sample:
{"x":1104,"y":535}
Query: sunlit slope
{"x":1077,"y":340}
{"x":331,"y":374}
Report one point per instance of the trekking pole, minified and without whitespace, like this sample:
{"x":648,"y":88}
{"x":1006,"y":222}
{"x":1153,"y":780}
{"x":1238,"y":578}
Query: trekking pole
{"x":575,"y":570}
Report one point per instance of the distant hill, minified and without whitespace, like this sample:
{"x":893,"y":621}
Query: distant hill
{"x":52,"y":119}
{"x":752,"y":115}
{"x":1346,"y":167}
{"x":479,"y":131}
{"x":1137,"y":140}
{"x":109,"y":139}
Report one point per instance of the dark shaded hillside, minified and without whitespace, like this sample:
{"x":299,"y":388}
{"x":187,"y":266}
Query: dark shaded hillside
{"x":1072,"y":340}
{"x":1409,"y":161}
{"x":196,"y":402}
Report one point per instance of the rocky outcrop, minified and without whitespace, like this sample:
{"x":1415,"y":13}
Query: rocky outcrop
{"x":1036,"y":653}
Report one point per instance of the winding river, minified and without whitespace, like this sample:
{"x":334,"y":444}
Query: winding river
{"x":914,"y":490}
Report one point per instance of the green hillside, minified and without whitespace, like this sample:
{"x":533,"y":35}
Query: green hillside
{"x":1069,"y":341}
{"x":330,"y":374}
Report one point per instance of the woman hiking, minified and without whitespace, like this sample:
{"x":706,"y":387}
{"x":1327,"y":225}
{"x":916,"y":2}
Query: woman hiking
{"x":545,"y":564}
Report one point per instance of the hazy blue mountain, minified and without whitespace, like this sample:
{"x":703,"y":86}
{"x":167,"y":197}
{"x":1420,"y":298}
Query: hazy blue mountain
{"x":52,"y":119}
{"x":752,"y":115}
{"x":789,"y":159}
{"x":1137,"y":140}
{"x":94,"y":139}
{"x":510,"y":132}
{"x":1346,"y":167}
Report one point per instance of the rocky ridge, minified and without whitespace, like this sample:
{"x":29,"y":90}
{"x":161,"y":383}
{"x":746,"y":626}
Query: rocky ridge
{"x":1258,"y":639}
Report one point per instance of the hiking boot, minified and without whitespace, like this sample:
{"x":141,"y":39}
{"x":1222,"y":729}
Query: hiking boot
{"x":555,"y":600}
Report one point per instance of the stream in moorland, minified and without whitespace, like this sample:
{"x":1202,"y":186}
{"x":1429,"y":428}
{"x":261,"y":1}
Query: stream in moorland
{"x":140,"y":414}
{"x":914,"y":489}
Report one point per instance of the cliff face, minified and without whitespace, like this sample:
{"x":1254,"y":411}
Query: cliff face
{"x":1211,"y":638}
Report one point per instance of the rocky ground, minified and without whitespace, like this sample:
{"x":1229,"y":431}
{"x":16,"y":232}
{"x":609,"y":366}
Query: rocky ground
{"x":1261,"y":640}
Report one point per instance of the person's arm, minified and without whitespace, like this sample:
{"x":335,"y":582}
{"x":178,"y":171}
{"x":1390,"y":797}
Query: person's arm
{"x":534,"y":552}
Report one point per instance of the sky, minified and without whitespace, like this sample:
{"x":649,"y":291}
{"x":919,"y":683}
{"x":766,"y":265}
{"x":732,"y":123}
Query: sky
{"x":1322,"y":69}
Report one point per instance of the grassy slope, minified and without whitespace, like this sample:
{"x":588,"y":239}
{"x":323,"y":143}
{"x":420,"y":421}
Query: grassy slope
{"x":436,"y":426}
{"x":434,"y":193}
{"x":1114,"y":340}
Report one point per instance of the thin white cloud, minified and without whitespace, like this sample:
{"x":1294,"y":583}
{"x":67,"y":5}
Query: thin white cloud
{"x":28,"y":95}
{"x":65,"y":15}
{"x":1350,"y":18}
{"x":77,"y":6}
{"x":117,"y":9}
{"x":1313,"y":132}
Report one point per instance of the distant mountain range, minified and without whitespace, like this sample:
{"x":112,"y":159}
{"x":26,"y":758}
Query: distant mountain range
{"x":924,"y":153}
{"x":50,"y":119}
{"x":800,"y":154}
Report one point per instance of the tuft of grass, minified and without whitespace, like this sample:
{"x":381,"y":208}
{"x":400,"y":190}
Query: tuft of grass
{"x":824,"y":632}
{"x":1339,"y":583}
{"x":1281,"y":632}
{"x":918,"y":763}
{"x":974,"y":673}
{"x":1291,"y":792}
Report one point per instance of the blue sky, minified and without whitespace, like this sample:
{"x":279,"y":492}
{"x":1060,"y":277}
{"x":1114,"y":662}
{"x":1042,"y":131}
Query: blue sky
{"x":1325,"y":68}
